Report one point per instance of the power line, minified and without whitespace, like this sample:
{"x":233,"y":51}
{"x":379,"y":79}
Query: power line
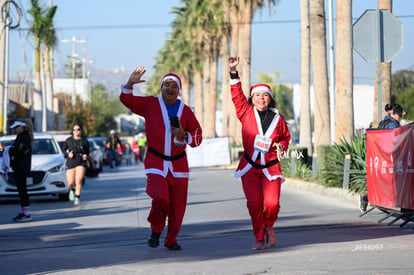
{"x":158,"y":26}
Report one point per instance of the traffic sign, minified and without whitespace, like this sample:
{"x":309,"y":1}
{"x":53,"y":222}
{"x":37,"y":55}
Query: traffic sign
{"x":377,"y":36}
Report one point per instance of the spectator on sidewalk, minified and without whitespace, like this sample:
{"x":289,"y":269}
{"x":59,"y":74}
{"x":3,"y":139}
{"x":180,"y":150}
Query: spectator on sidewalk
{"x":142,"y":144}
{"x":128,"y":154}
{"x":21,"y":162}
{"x":112,"y":144}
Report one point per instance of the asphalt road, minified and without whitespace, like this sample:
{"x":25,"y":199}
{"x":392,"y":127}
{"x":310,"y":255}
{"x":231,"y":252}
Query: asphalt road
{"x":107,"y":233}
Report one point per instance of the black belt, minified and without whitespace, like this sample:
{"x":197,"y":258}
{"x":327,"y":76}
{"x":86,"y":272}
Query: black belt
{"x":170,"y":158}
{"x":260,"y":166}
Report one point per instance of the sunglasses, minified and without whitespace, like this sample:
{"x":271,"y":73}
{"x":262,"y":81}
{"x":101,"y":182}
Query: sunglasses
{"x":76,"y":129}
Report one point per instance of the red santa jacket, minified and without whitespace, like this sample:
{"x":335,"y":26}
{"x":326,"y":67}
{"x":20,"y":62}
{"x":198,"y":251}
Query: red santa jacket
{"x":278,"y":132}
{"x":158,"y":131}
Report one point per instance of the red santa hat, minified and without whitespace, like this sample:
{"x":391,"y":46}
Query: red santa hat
{"x":174,"y":77}
{"x":260,"y":88}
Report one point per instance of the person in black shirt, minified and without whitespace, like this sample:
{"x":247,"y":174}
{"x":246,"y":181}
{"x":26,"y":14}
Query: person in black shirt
{"x":21,"y":161}
{"x":112,"y":145}
{"x":76,"y":149}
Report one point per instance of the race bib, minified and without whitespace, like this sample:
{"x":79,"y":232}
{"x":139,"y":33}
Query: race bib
{"x":262,"y":144}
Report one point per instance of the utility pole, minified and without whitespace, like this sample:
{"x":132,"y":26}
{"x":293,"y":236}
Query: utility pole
{"x":73,"y":56}
{"x":85,"y":76}
{"x":4,"y":36}
{"x":331,"y":72}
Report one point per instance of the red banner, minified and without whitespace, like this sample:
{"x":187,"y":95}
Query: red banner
{"x":390,"y":167}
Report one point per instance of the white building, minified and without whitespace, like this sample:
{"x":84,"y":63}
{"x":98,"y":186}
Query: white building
{"x":79,"y":86}
{"x":363,"y":104}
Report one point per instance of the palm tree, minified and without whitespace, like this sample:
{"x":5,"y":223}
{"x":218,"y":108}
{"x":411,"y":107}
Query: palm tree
{"x":305,"y":138}
{"x":44,"y":33}
{"x":320,"y":72}
{"x":182,"y":54}
{"x":36,"y":29}
{"x":242,"y":45}
{"x":49,"y":39}
{"x":225,"y":53}
{"x":234,"y":125}
{"x":212,"y":33}
{"x":200,"y":21}
{"x":344,"y":111}
{"x":385,"y":74}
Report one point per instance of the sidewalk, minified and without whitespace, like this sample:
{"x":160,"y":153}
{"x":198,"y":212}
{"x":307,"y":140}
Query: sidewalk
{"x":334,"y":192}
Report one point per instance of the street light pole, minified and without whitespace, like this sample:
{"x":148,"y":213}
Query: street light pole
{"x":6,"y":72}
{"x":331,"y":72}
{"x":73,"y":56}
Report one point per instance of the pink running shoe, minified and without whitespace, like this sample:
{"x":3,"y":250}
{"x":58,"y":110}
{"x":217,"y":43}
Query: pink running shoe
{"x":271,"y":236}
{"x":258,"y":245}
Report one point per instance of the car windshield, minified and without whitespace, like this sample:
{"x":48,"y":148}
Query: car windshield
{"x":44,"y":146}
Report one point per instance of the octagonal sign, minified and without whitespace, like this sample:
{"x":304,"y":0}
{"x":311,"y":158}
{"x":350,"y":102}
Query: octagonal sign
{"x":377,"y":36}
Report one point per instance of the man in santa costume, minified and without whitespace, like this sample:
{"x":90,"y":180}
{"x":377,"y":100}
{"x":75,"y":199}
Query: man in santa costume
{"x":265,"y":138}
{"x":170,"y":126}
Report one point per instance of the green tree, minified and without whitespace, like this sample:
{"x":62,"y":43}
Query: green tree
{"x":104,"y":108}
{"x":406,"y":99}
{"x":402,"y":91}
{"x":97,"y":117}
{"x":402,"y":80}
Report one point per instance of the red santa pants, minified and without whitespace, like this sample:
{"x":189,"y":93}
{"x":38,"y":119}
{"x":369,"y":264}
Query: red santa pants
{"x":263,"y":203}
{"x":169,"y":199}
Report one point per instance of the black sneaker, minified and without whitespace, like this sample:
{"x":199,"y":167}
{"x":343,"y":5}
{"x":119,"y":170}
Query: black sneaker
{"x":174,"y":246}
{"x":363,"y":203}
{"x":154,"y":239}
{"x":21,"y":217}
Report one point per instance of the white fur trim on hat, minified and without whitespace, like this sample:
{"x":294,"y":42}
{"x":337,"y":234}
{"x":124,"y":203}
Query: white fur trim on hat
{"x":260,"y":88}
{"x":172,"y":77}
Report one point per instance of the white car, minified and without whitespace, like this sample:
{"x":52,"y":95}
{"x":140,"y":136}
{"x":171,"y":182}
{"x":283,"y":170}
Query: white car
{"x":48,"y":175}
{"x":96,"y":157}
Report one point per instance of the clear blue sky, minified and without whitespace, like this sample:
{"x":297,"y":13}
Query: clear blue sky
{"x":127,"y":33}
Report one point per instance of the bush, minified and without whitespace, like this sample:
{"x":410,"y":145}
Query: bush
{"x":332,"y":173}
{"x":303,"y":171}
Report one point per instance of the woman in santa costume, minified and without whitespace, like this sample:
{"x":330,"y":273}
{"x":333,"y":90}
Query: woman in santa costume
{"x":170,"y":126}
{"x":265,"y":138}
